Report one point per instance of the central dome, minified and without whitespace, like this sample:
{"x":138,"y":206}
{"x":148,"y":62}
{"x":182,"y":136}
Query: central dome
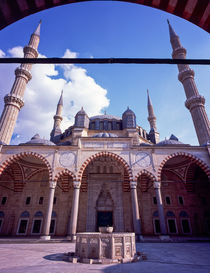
{"x":102,"y":117}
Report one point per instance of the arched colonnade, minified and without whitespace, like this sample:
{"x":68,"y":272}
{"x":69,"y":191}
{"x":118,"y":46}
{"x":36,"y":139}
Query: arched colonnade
{"x":73,"y":202}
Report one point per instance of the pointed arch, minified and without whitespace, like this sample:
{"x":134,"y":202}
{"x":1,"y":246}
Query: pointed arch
{"x":15,"y":157}
{"x":145,"y":180}
{"x":193,"y":159}
{"x":108,"y":154}
{"x":65,"y":172}
{"x":147,"y":173}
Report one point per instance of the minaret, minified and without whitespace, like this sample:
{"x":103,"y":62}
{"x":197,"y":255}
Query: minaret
{"x":57,"y":119}
{"x":195,"y":102}
{"x":14,"y":100}
{"x":153,"y":134}
{"x":151,"y":118}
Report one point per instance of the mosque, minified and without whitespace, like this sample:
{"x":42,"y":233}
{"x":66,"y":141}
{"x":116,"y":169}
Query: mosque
{"x":104,"y":170}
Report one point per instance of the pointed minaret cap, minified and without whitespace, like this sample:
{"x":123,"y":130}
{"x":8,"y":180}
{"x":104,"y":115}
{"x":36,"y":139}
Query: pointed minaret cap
{"x":37,"y":31}
{"x":171,"y":30}
{"x":149,"y":100}
{"x":61,"y":99}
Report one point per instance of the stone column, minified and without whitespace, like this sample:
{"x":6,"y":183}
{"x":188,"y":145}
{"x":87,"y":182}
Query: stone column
{"x":160,"y":208}
{"x":47,"y":222}
{"x":72,"y":228}
{"x":135,"y":208}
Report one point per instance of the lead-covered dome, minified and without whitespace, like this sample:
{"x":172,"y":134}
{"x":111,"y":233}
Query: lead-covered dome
{"x":37,"y":140}
{"x":173,"y":140}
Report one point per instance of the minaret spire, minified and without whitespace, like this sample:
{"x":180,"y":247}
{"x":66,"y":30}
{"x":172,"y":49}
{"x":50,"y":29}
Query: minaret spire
{"x":57,"y":119}
{"x":37,"y":31}
{"x":195,"y":102}
{"x":14,"y":100}
{"x":154,"y":135}
{"x":151,"y":115}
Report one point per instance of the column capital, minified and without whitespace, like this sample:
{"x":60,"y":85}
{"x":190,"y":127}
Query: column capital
{"x":52,"y":184}
{"x":156,"y":184}
{"x":133,"y":184}
{"x":76,"y":184}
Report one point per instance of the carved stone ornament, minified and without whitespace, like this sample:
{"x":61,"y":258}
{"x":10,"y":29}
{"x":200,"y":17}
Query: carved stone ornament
{"x":67,"y":159}
{"x":143,"y":159}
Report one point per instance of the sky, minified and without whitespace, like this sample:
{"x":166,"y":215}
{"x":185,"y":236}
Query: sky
{"x":104,"y":29}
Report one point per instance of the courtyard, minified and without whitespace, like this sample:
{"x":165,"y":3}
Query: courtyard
{"x":16,"y":257}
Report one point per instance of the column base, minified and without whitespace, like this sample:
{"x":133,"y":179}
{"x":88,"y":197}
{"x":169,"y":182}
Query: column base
{"x":71,"y":238}
{"x":165,"y":238}
{"x":45,"y":237}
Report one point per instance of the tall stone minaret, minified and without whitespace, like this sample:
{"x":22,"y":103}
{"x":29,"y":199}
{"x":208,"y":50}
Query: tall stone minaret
{"x":57,"y":119}
{"x":154,"y":135}
{"x":195,"y":102}
{"x":151,"y":116}
{"x":14,"y":100}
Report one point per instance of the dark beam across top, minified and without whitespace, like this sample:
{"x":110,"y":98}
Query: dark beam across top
{"x":104,"y":61}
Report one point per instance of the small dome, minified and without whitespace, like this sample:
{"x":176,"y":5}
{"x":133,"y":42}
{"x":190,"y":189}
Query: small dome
{"x":37,"y":140}
{"x":104,"y":135}
{"x":173,"y":140}
{"x":81,"y":112}
{"x":128,"y":112}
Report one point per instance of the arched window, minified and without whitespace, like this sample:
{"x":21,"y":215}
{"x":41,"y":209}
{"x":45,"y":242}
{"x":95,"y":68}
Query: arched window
{"x":171,"y":221}
{"x":183,"y":214}
{"x":38,"y":214}
{"x":170,"y":214}
{"x":185,"y":222}
{"x":37,"y":223}
{"x":25,"y":214}
{"x":23,"y":223}
{"x":156,"y":222}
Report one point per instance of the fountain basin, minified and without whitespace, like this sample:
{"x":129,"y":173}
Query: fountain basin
{"x":105,"y":247}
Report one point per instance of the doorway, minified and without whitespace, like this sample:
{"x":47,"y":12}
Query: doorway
{"x":104,"y":219}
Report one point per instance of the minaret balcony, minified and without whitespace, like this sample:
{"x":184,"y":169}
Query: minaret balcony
{"x":24,"y":73}
{"x":195,"y":101}
{"x":14,"y":100}
{"x":186,"y":74}
{"x":30,"y":50}
{"x":179,"y":53}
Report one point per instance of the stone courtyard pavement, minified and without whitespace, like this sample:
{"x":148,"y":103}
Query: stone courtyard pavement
{"x":162,"y":258}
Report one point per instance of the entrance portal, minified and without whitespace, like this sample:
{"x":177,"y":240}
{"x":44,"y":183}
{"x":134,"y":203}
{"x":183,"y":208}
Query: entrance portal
{"x":104,"y":219}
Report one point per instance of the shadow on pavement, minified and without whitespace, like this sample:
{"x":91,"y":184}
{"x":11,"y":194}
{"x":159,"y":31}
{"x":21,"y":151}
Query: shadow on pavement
{"x":55,"y":257}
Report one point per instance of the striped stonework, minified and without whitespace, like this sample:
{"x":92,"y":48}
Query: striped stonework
{"x":195,"y":11}
{"x":193,"y":158}
{"x":16,"y":157}
{"x":106,"y":154}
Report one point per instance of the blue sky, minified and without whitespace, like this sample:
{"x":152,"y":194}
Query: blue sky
{"x":105,"y":29}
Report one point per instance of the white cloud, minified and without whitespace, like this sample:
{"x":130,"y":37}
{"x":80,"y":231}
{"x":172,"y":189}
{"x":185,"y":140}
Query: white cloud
{"x":2,"y":54}
{"x":43,"y":92}
{"x":16,"y":52}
